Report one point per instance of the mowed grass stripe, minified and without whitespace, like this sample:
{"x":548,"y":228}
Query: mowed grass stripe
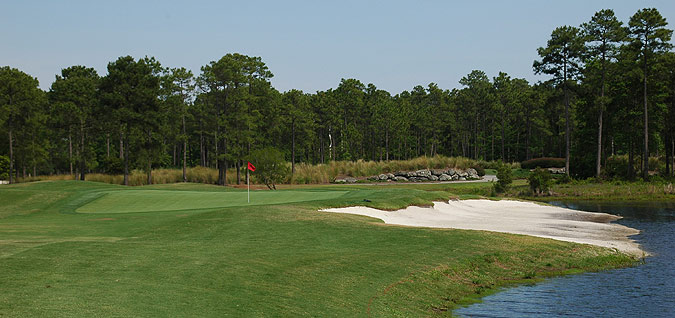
{"x":158,"y":200}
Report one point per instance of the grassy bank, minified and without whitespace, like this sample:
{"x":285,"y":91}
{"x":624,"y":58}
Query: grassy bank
{"x":576,"y":191}
{"x":580,"y":190}
{"x":610,"y":191}
{"x":92,"y":249}
{"x":304,"y":173}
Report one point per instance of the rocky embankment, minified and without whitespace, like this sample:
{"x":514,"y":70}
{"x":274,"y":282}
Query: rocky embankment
{"x":424,"y":175}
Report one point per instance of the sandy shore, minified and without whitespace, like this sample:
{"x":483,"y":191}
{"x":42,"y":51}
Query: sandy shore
{"x":513,"y":217}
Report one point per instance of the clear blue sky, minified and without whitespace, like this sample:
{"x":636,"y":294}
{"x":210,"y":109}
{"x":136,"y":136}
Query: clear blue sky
{"x":309,"y":45}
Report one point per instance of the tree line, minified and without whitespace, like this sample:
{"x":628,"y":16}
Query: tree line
{"x":611,"y":93}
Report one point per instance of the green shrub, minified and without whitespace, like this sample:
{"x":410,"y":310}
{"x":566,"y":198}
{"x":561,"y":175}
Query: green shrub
{"x":564,"y":179}
{"x":540,"y":181}
{"x":270,"y":167}
{"x":480,"y":170}
{"x":616,"y":167}
{"x":543,"y":163}
{"x":504,"y":178}
{"x":4,"y":168}
{"x":520,"y":173}
{"x":657,"y":164}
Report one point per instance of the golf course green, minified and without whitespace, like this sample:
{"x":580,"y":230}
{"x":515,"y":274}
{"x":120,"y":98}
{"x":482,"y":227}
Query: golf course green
{"x":83,"y":249}
{"x":163,"y":200}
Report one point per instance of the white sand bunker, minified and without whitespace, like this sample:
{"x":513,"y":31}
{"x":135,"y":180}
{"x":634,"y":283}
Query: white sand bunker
{"x":513,"y":217}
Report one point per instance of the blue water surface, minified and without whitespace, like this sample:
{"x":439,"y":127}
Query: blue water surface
{"x":646,"y":290}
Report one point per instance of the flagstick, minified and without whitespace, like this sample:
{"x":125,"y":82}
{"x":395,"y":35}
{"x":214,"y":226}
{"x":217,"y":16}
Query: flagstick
{"x":248,"y":181}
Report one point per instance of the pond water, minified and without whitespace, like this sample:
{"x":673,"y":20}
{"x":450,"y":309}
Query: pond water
{"x":646,"y":290}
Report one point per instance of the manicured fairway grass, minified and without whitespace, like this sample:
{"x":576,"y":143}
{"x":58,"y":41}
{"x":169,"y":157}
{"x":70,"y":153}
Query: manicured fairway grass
{"x":199,"y":257}
{"x":167,"y":200}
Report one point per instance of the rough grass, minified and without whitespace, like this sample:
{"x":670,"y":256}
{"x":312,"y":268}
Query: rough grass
{"x":610,"y":191}
{"x":304,"y":173}
{"x":138,"y":177}
{"x":284,"y":260}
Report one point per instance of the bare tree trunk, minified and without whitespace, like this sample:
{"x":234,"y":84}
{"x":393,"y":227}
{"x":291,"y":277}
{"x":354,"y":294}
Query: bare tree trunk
{"x":32,"y":148}
{"x":11,"y":153}
{"x":602,"y":109}
{"x":451,"y":148}
{"x":202,"y":155}
{"x":484,"y":138}
{"x":83,"y":162}
{"x":70,"y":151}
{"x":527,"y":138}
{"x":184,"y":152}
{"x":503,"y":135}
{"x":238,"y":167}
{"x":475,"y":139}
{"x":667,"y":153}
{"x":107,"y":145}
{"x":321,"y":150}
{"x":330,"y":143}
{"x":293,"y":147}
{"x":517,"y":145}
{"x":463,"y":147}
{"x":215,"y":141}
{"x":126,"y":159}
{"x":418,"y":144}
{"x":645,"y":160}
{"x":386,"y":143}
{"x":631,"y":160}
{"x":150,"y":157}
{"x":121,"y":145}
{"x":149,"y":173}
{"x":222,"y":163}
{"x":400,"y":149}
{"x":405,"y":149}
{"x":492,"y":139}
{"x":567,"y":123}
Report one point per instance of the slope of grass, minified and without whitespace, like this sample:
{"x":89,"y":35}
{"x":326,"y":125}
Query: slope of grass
{"x":608,"y":191}
{"x":168,"y":200}
{"x":274,"y":259}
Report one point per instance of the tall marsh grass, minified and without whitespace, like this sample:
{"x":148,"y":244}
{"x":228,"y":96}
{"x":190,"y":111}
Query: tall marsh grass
{"x":324,"y":173}
{"x":139,"y":177}
{"x":304,"y":173}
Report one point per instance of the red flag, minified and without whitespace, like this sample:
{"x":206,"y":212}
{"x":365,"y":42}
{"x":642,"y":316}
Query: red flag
{"x":251,"y":166}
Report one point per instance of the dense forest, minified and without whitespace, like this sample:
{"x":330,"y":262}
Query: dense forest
{"x":609,"y":104}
